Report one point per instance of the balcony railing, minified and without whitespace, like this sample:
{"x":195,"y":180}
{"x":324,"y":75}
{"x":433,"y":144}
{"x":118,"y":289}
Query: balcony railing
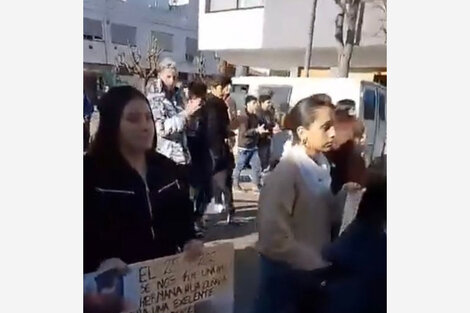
{"x":231,"y":5}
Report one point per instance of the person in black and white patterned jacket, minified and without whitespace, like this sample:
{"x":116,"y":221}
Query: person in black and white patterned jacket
{"x":170,"y":113}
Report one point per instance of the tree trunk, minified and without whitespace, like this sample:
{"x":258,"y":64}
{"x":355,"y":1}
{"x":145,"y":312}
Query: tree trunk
{"x":345,"y":48}
{"x":308,"y":51}
{"x":343,"y":65}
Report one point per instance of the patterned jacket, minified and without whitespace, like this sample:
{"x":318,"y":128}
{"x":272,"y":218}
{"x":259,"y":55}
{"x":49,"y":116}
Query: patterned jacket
{"x":170,"y":123}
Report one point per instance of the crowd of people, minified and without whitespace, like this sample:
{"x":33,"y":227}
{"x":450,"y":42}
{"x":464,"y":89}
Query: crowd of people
{"x":157,"y":161}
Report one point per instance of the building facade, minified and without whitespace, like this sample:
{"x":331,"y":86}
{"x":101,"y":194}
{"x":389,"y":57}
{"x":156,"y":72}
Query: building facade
{"x":274,"y":34}
{"x":111,"y":26}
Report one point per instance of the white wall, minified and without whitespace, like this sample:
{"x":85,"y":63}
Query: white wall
{"x":280,"y":24}
{"x":181,"y":21}
{"x":275,"y":36}
{"x":242,"y":29}
{"x":285,"y":59}
{"x":286,"y":24}
{"x":94,"y":52}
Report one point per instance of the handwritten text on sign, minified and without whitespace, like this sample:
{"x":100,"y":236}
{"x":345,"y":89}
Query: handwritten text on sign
{"x":173,"y":285}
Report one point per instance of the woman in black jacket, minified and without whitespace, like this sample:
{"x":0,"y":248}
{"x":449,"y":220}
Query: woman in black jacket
{"x":136,"y":204}
{"x":357,"y":278}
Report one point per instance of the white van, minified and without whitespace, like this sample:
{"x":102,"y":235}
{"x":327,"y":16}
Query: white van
{"x":370,"y":99}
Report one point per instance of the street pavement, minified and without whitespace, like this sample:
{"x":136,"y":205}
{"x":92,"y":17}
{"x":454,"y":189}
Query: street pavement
{"x":244,"y":236}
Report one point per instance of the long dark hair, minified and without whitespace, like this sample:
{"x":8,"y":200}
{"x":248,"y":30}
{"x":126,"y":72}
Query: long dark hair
{"x":105,"y":146}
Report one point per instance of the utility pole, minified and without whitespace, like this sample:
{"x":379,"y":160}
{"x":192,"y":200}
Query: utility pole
{"x":308,"y":50}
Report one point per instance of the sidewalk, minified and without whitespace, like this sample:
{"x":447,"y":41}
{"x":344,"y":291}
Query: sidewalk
{"x":244,"y":237}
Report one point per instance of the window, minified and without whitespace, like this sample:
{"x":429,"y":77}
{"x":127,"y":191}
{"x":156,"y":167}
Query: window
{"x":240,"y":89}
{"x":279,"y":73}
{"x":92,"y":29}
{"x":381,"y":79}
{"x":369,"y":104}
{"x":221,"y":5}
{"x":165,"y":40}
{"x":245,"y":4}
{"x":382,"y":106}
{"x":225,"y":5}
{"x":123,"y":34}
{"x":191,"y":49}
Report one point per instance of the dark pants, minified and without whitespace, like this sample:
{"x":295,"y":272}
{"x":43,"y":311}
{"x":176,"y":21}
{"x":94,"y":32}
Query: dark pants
{"x":221,"y":190}
{"x":199,"y":175}
{"x":264,"y":151}
{"x":245,"y":157}
{"x":229,"y":179}
{"x":202,"y":197}
{"x":283,"y":289}
{"x":86,"y":135}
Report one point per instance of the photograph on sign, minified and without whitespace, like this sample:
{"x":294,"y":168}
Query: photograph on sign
{"x":172,"y":284}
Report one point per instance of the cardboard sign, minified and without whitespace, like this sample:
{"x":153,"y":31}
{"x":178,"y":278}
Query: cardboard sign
{"x":173,"y":285}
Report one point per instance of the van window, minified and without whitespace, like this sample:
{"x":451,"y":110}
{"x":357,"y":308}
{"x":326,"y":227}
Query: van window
{"x":369,"y":104}
{"x":382,"y":106}
{"x":281,"y":96}
{"x":240,"y":88}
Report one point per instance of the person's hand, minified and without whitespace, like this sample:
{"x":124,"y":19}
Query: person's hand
{"x":103,"y":303}
{"x":113,"y":264}
{"x":262,"y":130}
{"x":192,"y":106}
{"x":193,"y":250}
{"x":353,"y":187}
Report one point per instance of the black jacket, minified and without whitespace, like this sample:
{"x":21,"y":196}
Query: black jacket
{"x":217,"y":132}
{"x":196,"y":123}
{"x":248,"y":135}
{"x":267,"y":118}
{"x":347,"y":166}
{"x":201,"y":161}
{"x":124,"y":220}
{"x":357,"y":281}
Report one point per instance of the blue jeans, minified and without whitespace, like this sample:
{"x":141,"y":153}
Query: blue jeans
{"x":245,"y":157}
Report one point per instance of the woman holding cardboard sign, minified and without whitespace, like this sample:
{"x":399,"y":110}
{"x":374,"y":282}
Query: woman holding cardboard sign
{"x":136,"y":206}
{"x":296,"y":212}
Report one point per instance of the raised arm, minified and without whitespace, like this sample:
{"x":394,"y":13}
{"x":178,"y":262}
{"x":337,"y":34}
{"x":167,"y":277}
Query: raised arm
{"x":165,"y":123}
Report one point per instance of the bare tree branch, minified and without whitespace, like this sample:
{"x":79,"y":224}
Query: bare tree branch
{"x":351,"y":18}
{"x":360,"y":22}
{"x":121,"y":62}
{"x":339,"y":22}
{"x":153,"y":56}
{"x":200,"y":63}
{"x":382,"y":6}
{"x":136,"y":57}
{"x":134,"y":66}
